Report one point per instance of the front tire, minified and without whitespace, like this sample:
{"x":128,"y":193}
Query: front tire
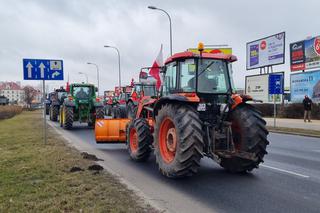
{"x":178,"y":140}
{"x":139,"y":139}
{"x":249,"y":135}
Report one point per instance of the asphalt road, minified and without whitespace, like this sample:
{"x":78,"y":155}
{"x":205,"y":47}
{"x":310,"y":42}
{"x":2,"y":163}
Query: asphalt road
{"x":288,"y":181}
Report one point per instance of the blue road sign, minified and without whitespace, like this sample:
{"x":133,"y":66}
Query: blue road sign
{"x":42,"y":69}
{"x":276,"y":81}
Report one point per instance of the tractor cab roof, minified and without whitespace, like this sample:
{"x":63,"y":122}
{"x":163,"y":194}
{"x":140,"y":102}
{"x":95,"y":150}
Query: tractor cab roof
{"x":60,"y":90}
{"x":187,"y":54}
{"x":81,"y":85}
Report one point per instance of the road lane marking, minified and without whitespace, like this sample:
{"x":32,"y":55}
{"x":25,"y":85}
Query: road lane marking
{"x":286,"y":171}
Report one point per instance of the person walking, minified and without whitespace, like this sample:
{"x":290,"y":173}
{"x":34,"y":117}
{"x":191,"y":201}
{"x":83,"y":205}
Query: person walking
{"x":307,"y":104}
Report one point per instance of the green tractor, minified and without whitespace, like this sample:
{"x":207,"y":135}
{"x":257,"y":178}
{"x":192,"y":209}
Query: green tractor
{"x":81,"y":105}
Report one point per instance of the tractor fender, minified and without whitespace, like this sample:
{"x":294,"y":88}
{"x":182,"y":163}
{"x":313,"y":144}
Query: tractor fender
{"x":239,"y":99}
{"x":178,"y":98}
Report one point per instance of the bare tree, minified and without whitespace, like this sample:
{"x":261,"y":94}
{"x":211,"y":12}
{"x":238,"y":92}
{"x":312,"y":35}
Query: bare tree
{"x":29,"y":95}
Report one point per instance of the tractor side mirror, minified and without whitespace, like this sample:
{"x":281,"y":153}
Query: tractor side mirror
{"x":96,"y":89}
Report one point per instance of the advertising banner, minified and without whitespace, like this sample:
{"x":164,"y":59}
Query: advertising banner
{"x":305,"y":83}
{"x":297,"y":60}
{"x":257,"y":86}
{"x":312,"y":53}
{"x":212,"y":50}
{"x":263,"y":87}
{"x":266,"y":52}
{"x":305,"y":54}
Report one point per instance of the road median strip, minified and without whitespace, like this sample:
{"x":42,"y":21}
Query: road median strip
{"x":55,"y":177}
{"x":295,"y":131}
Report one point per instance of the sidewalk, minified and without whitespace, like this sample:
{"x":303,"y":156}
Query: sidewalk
{"x":294,"y":123}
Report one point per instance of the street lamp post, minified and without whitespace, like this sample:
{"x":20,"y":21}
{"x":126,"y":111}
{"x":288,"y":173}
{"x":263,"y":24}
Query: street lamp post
{"x":155,"y":8}
{"x":107,"y":46}
{"x":97,"y":75}
{"x":84,"y":75}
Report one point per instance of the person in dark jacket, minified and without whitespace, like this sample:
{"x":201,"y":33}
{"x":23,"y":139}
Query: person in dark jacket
{"x":307,"y":104}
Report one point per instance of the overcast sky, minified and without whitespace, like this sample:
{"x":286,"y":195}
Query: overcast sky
{"x":77,"y":30}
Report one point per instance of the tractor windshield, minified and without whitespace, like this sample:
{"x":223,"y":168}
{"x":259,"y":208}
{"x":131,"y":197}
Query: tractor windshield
{"x":62,"y":95}
{"x":213,"y":76}
{"x":149,"y":90}
{"x":82,"y":92}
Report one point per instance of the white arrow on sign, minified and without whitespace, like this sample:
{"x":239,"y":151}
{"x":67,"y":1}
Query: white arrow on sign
{"x":41,"y":66}
{"x":55,"y":74}
{"x":29,"y":67}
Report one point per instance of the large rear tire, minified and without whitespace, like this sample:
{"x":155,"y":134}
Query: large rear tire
{"x":108,"y":109}
{"x":67,"y":117}
{"x":122,"y":112}
{"x":115,"y":111}
{"x":178,"y":140}
{"x":139,"y":139}
{"x":47,"y":109}
{"x":249,"y":135}
{"x":99,"y":113}
{"x":54,"y":113}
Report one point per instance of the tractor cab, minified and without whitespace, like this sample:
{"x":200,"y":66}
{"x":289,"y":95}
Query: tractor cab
{"x":203,"y":80}
{"x":144,"y":89}
{"x":82,"y":91}
{"x":199,"y":75}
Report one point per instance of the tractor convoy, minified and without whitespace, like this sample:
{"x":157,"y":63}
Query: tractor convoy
{"x":195,"y":113}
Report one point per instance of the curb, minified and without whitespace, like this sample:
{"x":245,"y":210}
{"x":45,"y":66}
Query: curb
{"x":293,"y":133}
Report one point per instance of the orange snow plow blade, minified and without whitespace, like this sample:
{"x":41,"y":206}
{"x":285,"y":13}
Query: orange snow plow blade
{"x":111,"y":130}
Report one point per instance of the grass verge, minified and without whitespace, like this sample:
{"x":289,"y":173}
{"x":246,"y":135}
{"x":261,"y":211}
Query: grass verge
{"x":9,"y":111}
{"x":36,"y":178}
{"x":294,"y":131}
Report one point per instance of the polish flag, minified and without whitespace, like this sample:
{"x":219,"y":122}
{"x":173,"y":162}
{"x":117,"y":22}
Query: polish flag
{"x":155,"y":69}
{"x":68,"y":86}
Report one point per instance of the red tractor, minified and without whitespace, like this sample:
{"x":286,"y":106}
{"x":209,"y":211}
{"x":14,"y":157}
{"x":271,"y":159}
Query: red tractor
{"x":139,"y":90}
{"x":129,"y":98}
{"x":197,"y":115}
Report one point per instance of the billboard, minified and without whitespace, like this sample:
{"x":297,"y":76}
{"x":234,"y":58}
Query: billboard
{"x":257,"y":86}
{"x":305,"y":54}
{"x":225,"y":50}
{"x":266,"y":51}
{"x":312,"y":52}
{"x":297,"y":59}
{"x":305,"y":83}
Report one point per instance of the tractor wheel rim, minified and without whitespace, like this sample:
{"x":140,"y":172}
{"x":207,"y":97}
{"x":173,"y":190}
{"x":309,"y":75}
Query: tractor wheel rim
{"x":171,"y":140}
{"x":133,"y":140}
{"x":167,"y":140}
{"x":63,"y":116}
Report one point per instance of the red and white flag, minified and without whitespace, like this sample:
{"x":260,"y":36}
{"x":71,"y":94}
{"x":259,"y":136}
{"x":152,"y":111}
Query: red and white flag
{"x":155,"y":69}
{"x":68,"y":86}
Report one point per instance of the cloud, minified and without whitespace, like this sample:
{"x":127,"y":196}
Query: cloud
{"x":77,"y":30}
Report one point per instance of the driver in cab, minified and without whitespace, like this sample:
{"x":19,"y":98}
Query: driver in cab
{"x":81,"y":94}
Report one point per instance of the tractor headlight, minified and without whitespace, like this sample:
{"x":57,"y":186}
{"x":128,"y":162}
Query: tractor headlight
{"x":201,"y":107}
